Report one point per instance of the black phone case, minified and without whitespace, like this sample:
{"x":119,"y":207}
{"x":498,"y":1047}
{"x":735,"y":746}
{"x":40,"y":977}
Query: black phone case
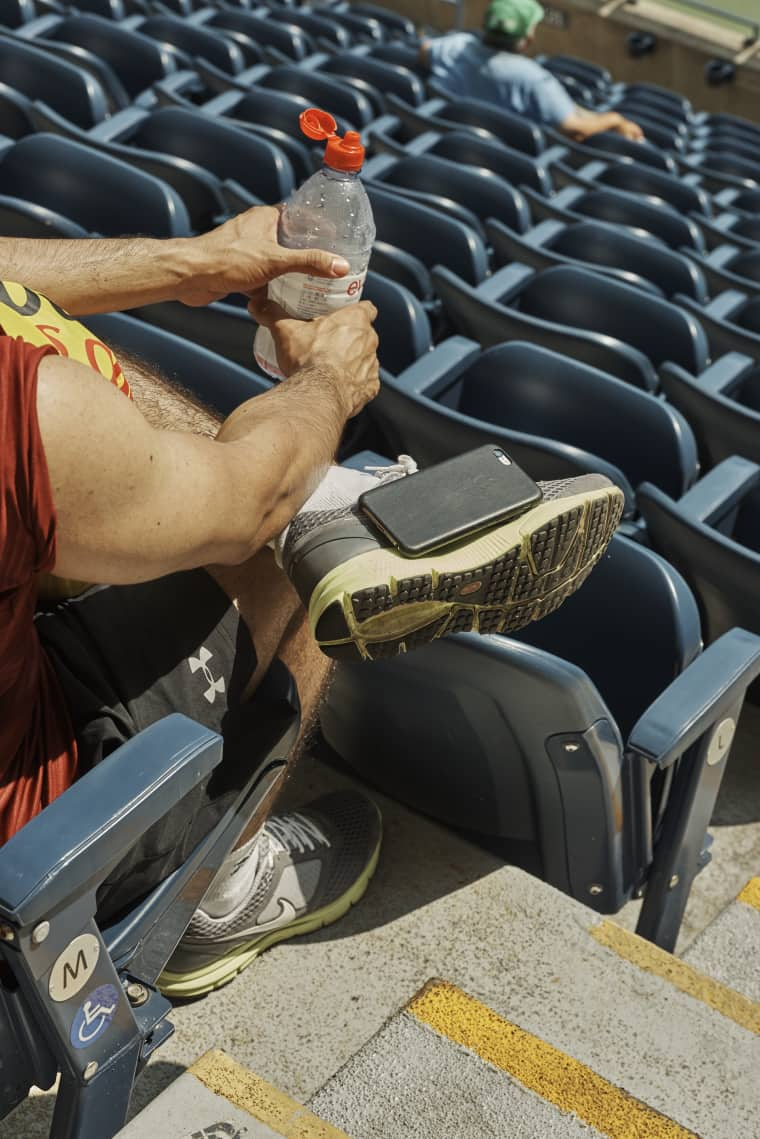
{"x":451,"y":500}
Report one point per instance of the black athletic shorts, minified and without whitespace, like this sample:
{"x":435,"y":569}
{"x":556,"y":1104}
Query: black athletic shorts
{"x":127,"y":656}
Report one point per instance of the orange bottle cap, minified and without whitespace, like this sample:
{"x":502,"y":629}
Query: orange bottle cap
{"x":345,"y":153}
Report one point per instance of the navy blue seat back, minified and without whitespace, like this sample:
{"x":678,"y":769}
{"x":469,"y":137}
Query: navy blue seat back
{"x":70,"y":90}
{"x":509,"y":128}
{"x":386,"y":77}
{"x":315,"y":24}
{"x":287,"y":38}
{"x":137,"y":60}
{"x":14,"y":113}
{"x":322,"y":91}
{"x":99,"y":192}
{"x":257,"y":164}
{"x":527,"y":388}
{"x":512,"y":165}
{"x":479,"y":190}
{"x":581,"y":299}
{"x":195,"y":40}
{"x":622,"y":208}
{"x":638,"y":179}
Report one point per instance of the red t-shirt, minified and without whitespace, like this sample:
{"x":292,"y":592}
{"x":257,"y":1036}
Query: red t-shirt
{"x":38,"y":756}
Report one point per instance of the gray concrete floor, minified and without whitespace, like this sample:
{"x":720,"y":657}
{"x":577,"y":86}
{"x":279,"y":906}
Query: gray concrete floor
{"x":271,"y":1019}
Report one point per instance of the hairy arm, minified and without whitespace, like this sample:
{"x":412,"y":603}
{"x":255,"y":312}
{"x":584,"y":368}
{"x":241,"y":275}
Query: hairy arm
{"x":582,"y":124}
{"x":109,"y":274}
{"x":134,"y":503}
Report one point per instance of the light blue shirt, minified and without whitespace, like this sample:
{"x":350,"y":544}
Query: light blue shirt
{"x":465,"y":66}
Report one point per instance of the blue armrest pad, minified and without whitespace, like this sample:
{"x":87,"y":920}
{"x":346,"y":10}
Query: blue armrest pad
{"x":720,"y":490}
{"x":721,"y":255}
{"x":697,"y":699}
{"x":438,"y":368}
{"x":720,"y":375}
{"x":37,"y":27}
{"x":118,"y":125}
{"x":505,"y":281}
{"x":722,"y":306}
{"x":80,"y":836}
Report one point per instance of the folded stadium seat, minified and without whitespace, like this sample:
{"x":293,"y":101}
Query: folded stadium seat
{"x":722,"y":406}
{"x":83,"y":58}
{"x":622,"y":209}
{"x":317,"y":25}
{"x":535,"y":403}
{"x":293,"y":41}
{"x":603,"y":322}
{"x":412,"y":238}
{"x":436,"y":181}
{"x":711,"y":535}
{"x":98,"y":192}
{"x":742,"y":230}
{"x":385,"y":78}
{"x":227,"y":329}
{"x":137,"y":60}
{"x":591,"y":767}
{"x":50,"y":872}
{"x":717,"y":170}
{"x":730,"y":267}
{"x":637,"y":179}
{"x":323,"y":91}
{"x":637,"y":258}
{"x":740,"y":147}
{"x":468,"y":149}
{"x":483,"y":118}
{"x":70,"y":90}
{"x":273,"y":114}
{"x":240,"y":159}
{"x":608,"y":143}
{"x":195,"y":40}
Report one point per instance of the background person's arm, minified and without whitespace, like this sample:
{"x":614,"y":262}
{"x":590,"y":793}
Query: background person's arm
{"x":581,"y":124}
{"x":134,"y":503}
{"x":109,"y":274}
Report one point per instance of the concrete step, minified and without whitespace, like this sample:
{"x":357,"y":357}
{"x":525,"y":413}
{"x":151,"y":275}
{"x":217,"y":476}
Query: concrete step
{"x":728,"y":949}
{"x":216,"y":1098}
{"x":448,"y":1066}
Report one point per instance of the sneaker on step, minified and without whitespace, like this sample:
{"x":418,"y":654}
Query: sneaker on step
{"x":367,"y":600}
{"x":303,"y":870}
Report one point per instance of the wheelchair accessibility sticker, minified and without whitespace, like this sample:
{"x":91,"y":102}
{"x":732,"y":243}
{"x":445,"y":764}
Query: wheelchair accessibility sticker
{"x":94,"y":1017}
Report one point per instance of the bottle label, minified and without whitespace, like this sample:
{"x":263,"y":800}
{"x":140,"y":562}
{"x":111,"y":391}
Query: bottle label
{"x":304,"y":296}
{"x":265,"y":354}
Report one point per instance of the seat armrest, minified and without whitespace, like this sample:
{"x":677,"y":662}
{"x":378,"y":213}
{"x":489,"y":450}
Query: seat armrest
{"x":78,"y":839}
{"x":552,"y":154}
{"x":701,"y":696}
{"x":725,"y":304}
{"x":221,"y":104}
{"x":422,"y":143}
{"x":436,"y":370}
{"x":720,"y":490}
{"x":721,"y":255}
{"x":119,"y":127}
{"x":314,"y":61}
{"x":505,"y":282}
{"x":37,"y":27}
{"x":377,"y":166}
{"x":719,"y":377}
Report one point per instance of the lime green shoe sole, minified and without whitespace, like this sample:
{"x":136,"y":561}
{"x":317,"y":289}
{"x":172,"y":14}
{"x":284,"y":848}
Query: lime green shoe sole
{"x":185,"y":986}
{"x":381,"y":603}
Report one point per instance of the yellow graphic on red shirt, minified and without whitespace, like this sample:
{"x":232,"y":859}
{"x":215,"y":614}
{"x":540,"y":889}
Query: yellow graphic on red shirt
{"x":38,"y":321}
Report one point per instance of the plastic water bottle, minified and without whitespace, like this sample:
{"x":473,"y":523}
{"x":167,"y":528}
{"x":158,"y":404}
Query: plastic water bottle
{"x":329,"y":211}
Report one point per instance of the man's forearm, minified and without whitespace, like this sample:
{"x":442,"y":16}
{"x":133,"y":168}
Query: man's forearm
{"x":100,"y":275}
{"x":583,"y":124}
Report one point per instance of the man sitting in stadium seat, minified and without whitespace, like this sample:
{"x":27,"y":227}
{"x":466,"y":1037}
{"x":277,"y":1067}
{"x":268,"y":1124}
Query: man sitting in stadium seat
{"x":491,"y":67}
{"x":119,"y":483}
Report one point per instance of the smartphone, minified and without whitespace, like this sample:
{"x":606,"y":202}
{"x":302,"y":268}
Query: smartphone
{"x":451,"y":500}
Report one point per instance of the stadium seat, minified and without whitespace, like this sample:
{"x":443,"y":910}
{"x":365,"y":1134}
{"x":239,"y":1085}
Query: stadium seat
{"x":620,"y":208}
{"x":722,"y":406}
{"x":322,"y":90}
{"x":711,"y":535}
{"x":14,"y":13}
{"x":70,"y":90}
{"x":638,"y":259}
{"x":315,"y":24}
{"x":137,"y":60}
{"x":637,"y":179}
{"x":401,"y":53}
{"x":100,"y":193}
{"x":585,"y":764}
{"x":605,"y":323}
{"x":477,"y":190}
{"x":14,"y":113}
{"x":19,"y":218}
{"x":608,"y":144}
{"x":384,"y":77}
{"x":393,"y":22}
{"x":196,"y":41}
{"x":287,"y":38}
{"x":486,"y":120}
{"x":57,"y":922}
{"x":535,"y":403}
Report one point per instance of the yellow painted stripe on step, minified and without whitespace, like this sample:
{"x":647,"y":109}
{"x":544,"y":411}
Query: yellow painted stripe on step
{"x":223,"y":1075}
{"x":750,"y":895}
{"x":652,"y":959}
{"x":559,"y":1079}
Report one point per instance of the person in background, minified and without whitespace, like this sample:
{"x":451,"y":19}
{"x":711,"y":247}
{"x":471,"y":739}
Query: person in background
{"x":493,"y":67}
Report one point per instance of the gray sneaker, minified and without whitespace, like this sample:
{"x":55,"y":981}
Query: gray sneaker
{"x":302,"y":871}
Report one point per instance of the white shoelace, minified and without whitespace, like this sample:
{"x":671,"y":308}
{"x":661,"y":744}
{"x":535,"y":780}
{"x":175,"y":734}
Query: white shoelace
{"x":293,"y":832}
{"x":404,"y":465}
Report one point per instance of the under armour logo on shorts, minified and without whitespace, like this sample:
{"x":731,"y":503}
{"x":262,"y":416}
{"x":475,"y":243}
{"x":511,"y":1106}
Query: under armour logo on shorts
{"x":201,"y":661}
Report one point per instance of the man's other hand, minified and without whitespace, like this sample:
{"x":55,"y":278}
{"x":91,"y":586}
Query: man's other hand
{"x":344,"y":342}
{"x":243,"y":254}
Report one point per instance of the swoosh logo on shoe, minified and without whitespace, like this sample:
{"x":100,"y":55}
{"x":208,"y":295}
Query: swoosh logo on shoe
{"x":286,"y":915}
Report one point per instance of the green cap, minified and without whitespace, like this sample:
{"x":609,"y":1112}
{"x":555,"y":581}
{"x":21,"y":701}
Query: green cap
{"x":513,"y":17}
